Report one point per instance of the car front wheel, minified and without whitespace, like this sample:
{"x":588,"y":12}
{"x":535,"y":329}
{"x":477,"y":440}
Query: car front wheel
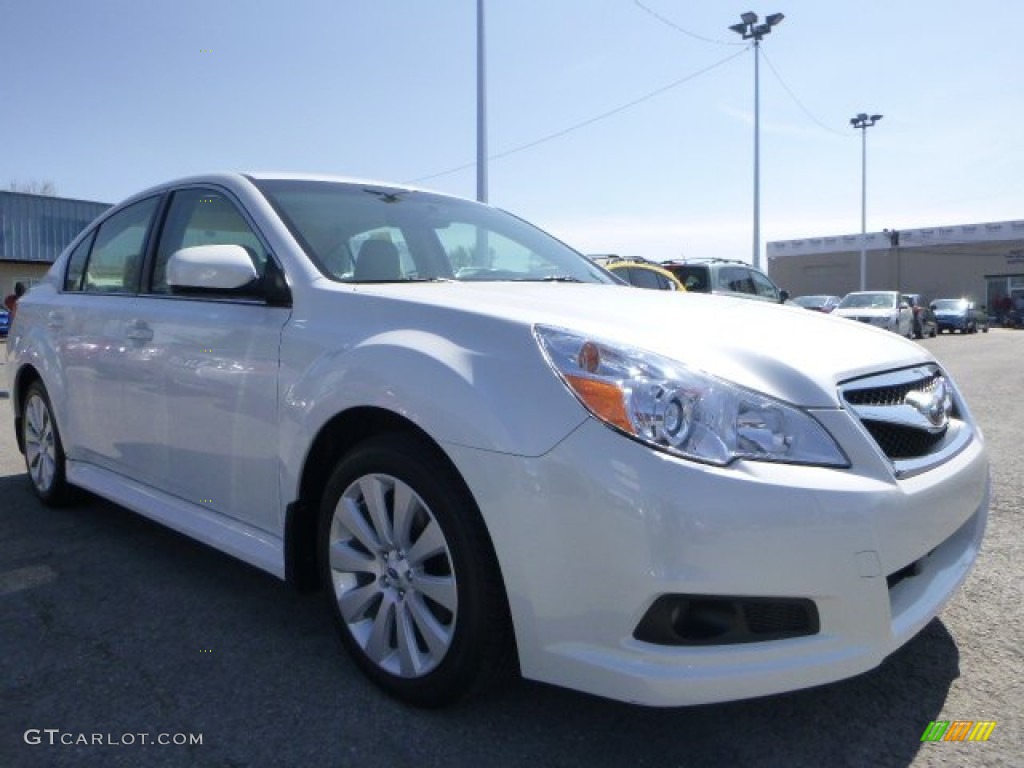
{"x":412,"y":579}
{"x":44,"y":451}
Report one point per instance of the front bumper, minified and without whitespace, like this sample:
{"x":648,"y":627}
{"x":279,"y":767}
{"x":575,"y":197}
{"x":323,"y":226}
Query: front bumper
{"x":591,"y":534}
{"x":952,"y":323}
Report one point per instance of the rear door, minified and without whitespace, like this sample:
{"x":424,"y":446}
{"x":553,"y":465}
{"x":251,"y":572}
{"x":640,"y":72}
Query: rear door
{"x":95,"y":330}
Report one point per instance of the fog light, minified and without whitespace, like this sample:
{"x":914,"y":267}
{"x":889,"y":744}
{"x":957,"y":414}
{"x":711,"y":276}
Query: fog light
{"x":717,"y":620}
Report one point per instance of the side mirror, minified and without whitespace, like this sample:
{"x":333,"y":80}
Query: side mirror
{"x":783,"y":297}
{"x":211,"y":268}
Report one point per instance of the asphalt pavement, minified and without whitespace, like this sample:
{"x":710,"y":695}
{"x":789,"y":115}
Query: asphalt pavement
{"x":125,"y":644}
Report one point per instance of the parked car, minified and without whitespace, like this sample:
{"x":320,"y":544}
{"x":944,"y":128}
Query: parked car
{"x":5,"y":322}
{"x":925,"y":323}
{"x":959,"y":315}
{"x":726,"y":278}
{"x":818,"y":302}
{"x":492,"y":458}
{"x":882,"y":309}
{"x":640,"y":272}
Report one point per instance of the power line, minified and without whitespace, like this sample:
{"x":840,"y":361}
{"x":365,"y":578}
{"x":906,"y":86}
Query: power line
{"x":797,"y":101}
{"x":585,"y":123}
{"x":688,"y":33}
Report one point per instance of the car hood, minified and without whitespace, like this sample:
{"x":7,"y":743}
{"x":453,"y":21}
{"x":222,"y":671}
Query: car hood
{"x":786,"y":352}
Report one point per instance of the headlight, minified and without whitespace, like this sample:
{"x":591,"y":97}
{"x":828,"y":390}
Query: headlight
{"x":682,"y":411}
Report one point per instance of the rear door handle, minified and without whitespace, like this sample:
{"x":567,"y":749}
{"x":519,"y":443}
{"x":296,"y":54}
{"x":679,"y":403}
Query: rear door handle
{"x":55,"y":320}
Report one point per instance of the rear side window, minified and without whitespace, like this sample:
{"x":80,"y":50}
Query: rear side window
{"x":645,"y":278}
{"x":115,"y":262}
{"x":694,"y":278}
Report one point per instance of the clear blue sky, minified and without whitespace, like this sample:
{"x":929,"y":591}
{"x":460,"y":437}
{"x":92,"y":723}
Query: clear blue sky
{"x":105,"y":97}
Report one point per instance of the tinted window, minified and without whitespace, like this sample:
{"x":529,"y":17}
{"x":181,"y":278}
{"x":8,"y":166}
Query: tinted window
{"x":115,"y":262}
{"x":203,"y":217}
{"x":695,"y":278}
{"x":764,"y":287}
{"x":735,"y":279}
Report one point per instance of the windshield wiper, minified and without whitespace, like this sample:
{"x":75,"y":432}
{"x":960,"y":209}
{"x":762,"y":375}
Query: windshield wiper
{"x":550,"y":279}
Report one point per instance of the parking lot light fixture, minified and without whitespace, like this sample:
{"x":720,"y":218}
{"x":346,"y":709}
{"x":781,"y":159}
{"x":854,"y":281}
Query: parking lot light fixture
{"x":864,"y":121}
{"x":751,"y":29}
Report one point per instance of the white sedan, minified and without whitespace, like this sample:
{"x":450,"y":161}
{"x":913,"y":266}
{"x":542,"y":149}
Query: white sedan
{"x":882,"y":309}
{"x":488,"y":454}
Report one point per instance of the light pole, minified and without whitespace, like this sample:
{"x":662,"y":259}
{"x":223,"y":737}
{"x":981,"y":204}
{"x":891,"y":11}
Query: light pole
{"x":864,"y":121}
{"x":750,"y":29}
{"x":481,"y":107}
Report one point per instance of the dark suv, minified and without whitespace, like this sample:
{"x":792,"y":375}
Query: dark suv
{"x":727,"y":278}
{"x":925,"y":323}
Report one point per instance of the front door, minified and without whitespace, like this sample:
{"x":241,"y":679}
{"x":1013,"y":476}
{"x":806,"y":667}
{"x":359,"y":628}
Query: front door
{"x":216,"y":358}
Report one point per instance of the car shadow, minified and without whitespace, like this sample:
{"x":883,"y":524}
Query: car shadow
{"x":143,"y":629}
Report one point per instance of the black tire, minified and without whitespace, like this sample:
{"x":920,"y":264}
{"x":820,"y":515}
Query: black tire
{"x":424,"y":651}
{"x":44,"y":450}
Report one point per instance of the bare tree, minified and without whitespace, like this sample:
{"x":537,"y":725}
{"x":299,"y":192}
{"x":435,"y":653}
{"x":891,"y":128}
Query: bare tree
{"x":33,"y":187}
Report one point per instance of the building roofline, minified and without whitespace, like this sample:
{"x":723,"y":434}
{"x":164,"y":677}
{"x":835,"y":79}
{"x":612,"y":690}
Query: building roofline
{"x":994,"y":231}
{"x":52,"y":197}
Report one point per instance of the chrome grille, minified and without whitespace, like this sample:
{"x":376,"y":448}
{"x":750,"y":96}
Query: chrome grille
{"x":893,"y":395}
{"x":912,"y":415}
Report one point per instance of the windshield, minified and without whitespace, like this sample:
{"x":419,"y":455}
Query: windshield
{"x":364,"y":233}
{"x":883,"y":300}
{"x":950,"y":305}
{"x":810,"y":301}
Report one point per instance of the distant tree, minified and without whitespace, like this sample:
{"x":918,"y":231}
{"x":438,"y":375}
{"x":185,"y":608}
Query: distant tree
{"x":33,"y":187}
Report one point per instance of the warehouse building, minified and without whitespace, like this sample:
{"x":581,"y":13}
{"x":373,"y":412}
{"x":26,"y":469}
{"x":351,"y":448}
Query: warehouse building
{"x":982,"y":262}
{"x":34,"y":229}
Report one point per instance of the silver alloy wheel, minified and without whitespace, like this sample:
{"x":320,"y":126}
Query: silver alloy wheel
{"x":393,"y":576}
{"x":40,"y":445}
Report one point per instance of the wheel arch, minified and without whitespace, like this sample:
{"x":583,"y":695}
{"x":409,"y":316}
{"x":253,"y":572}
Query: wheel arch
{"x":23,"y":379}
{"x":339,"y":435}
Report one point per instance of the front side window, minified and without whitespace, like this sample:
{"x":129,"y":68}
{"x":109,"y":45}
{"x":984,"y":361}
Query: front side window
{"x":764,"y":287}
{"x":203,"y":217}
{"x":735,"y":279}
{"x":357,"y":233}
{"x":115,"y":262}
{"x":76,"y":264}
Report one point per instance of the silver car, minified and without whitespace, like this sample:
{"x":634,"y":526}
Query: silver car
{"x":882,"y":309}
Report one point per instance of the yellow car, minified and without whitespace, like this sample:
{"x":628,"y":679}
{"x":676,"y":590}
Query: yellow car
{"x":640,"y":272}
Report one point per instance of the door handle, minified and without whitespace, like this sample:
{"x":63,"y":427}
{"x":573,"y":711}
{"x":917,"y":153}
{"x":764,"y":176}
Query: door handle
{"x":139,"y":330}
{"x":55,"y":320}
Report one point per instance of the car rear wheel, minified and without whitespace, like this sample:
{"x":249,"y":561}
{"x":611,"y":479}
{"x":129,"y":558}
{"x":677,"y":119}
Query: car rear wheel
{"x":44,"y":451}
{"x":412,"y":579}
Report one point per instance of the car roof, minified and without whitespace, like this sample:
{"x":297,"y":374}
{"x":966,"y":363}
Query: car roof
{"x":236,"y":178}
{"x":702,"y":262}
